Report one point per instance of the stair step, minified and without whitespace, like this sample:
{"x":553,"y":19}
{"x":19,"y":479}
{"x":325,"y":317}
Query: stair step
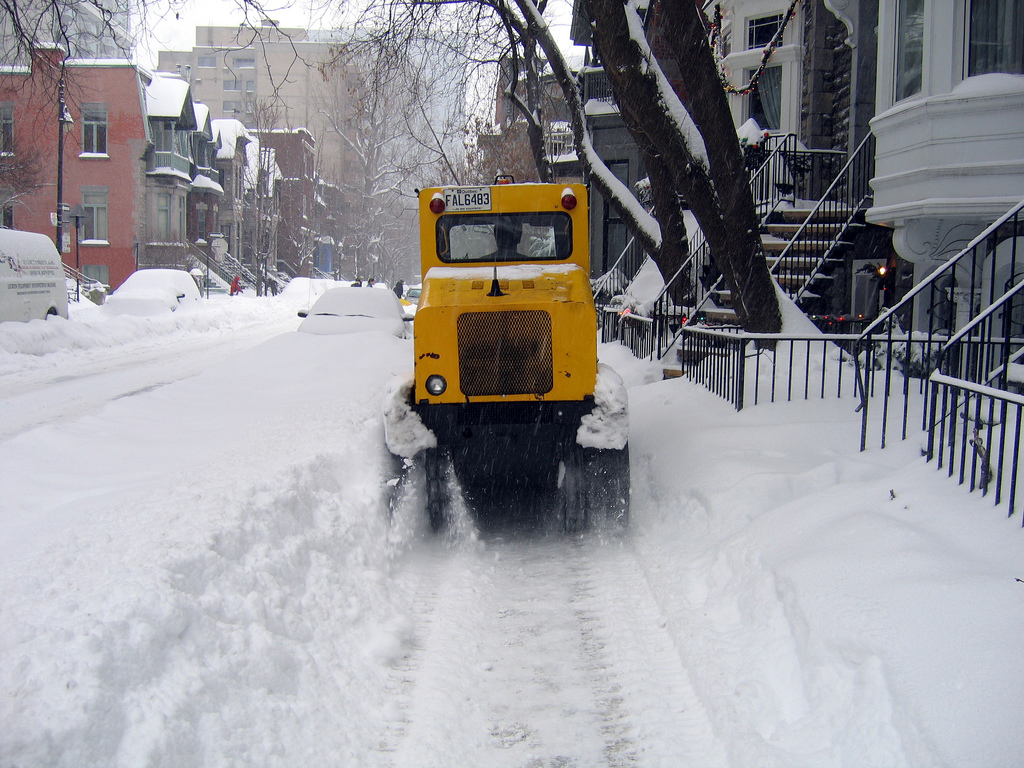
{"x":778,"y":246}
{"x":787,"y":231}
{"x":672,"y":373}
{"x":720,"y":315}
{"x":799,"y":215}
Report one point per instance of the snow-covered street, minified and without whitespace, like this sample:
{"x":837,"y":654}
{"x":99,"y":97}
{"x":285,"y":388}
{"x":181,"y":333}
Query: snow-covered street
{"x":198,"y":566}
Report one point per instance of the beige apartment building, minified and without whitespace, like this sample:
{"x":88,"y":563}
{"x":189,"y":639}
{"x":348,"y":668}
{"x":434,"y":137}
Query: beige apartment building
{"x":234,"y":69}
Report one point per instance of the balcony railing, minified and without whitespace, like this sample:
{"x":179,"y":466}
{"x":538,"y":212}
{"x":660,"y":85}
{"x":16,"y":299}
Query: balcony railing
{"x":172,"y":160}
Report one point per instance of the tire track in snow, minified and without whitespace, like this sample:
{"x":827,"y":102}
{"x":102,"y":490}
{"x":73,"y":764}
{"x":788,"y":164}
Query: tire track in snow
{"x":540,"y":653}
{"x":646,"y":681}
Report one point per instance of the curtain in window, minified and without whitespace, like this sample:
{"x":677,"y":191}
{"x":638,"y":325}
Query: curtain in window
{"x":770,"y":88}
{"x":996,"y":37}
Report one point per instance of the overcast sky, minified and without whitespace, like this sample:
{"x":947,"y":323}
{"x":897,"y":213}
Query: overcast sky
{"x":174,"y":30}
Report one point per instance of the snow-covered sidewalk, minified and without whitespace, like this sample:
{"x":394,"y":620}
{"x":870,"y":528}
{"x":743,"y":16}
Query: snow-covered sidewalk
{"x":206,"y":574}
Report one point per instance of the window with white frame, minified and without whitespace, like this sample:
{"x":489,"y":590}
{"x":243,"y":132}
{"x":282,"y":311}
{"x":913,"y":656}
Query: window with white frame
{"x":6,"y":129}
{"x":996,"y":37}
{"x":163,"y":217}
{"x":206,"y":62}
{"x":245,"y":63}
{"x":94,"y":225}
{"x":761,"y":30}
{"x":94,"y":129}
{"x":765,"y":100}
{"x":232,"y":85}
{"x":909,"y":47}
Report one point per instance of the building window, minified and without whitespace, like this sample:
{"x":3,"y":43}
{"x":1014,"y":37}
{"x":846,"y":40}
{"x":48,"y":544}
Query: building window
{"x":7,"y":216}
{"x":94,"y":226}
{"x":761,"y":31}
{"x":163,"y":137}
{"x":766,"y":98}
{"x":98,"y":272}
{"x":232,"y":85}
{"x":909,"y":47}
{"x":206,"y":62}
{"x":94,"y":129}
{"x":231,"y":107}
{"x":250,"y":86}
{"x":245,"y":63}
{"x":6,"y":129}
{"x":181,"y":217}
{"x":163,"y":217}
{"x":996,"y":37}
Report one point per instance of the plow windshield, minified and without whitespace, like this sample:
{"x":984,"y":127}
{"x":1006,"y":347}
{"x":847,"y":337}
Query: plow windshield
{"x":515,"y":237}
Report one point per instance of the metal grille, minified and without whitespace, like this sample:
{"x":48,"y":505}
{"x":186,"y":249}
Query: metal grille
{"x":505,"y":353}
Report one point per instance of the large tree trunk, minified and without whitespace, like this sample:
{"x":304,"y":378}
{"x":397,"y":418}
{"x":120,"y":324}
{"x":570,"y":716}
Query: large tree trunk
{"x":616,"y":194}
{"x":706,"y":102}
{"x":720,"y":198}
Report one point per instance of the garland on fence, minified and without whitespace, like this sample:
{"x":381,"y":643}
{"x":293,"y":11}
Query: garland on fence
{"x":716,"y":47}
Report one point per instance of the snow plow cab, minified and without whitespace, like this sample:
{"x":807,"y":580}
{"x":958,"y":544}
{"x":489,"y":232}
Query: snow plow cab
{"x":506,"y":382}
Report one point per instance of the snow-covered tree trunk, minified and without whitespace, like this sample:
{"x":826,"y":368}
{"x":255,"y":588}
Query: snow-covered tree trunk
{"x":701,"y":160}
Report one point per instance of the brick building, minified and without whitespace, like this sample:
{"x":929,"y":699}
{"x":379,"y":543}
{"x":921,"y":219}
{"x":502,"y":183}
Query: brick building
{"x":103,"y":168}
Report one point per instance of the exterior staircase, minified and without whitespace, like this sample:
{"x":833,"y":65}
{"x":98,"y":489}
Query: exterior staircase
{"x":806,"y":244}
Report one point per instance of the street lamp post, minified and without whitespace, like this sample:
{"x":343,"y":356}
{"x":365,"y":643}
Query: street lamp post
{"x":77,"y":214}
{"x":64,"y":121}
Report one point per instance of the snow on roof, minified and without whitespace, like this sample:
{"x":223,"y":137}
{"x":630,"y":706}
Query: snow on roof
{"x":227,"y":132}
{"x":167,"y":96}
{"x":202,"y":113}
{"x":106,"y":62}
{"x":166,"y":170}
{"x":599,"y":107}
{"x":205,"y":182}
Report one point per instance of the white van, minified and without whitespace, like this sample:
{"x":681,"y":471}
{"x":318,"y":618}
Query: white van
{"x":31,"y":277}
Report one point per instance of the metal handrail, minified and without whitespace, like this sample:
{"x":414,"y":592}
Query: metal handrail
{"x":854,"y":207}
{"x":941,"y":271}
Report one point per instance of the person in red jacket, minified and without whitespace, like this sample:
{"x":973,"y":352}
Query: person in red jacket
{"x":236,"y":285}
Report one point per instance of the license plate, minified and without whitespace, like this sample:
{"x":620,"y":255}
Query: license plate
{"x":467,"y":199}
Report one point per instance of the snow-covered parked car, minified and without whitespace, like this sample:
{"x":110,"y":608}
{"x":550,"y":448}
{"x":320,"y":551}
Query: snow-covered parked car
{"x":352,"y":310}
{"x":31,"y":277}
{"x":153,"y":292}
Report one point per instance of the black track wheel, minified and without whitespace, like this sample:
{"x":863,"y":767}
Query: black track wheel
{"x":572,"y":496}
{"x":437,"y":464}
{"x":606,"y":473}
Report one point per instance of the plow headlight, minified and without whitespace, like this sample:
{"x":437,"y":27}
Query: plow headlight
{"x":436,"y":385}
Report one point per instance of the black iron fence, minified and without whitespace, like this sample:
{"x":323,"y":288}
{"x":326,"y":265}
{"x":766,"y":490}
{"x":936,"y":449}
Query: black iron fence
{"x":752,"y":368}
{"x":912,"y":337}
